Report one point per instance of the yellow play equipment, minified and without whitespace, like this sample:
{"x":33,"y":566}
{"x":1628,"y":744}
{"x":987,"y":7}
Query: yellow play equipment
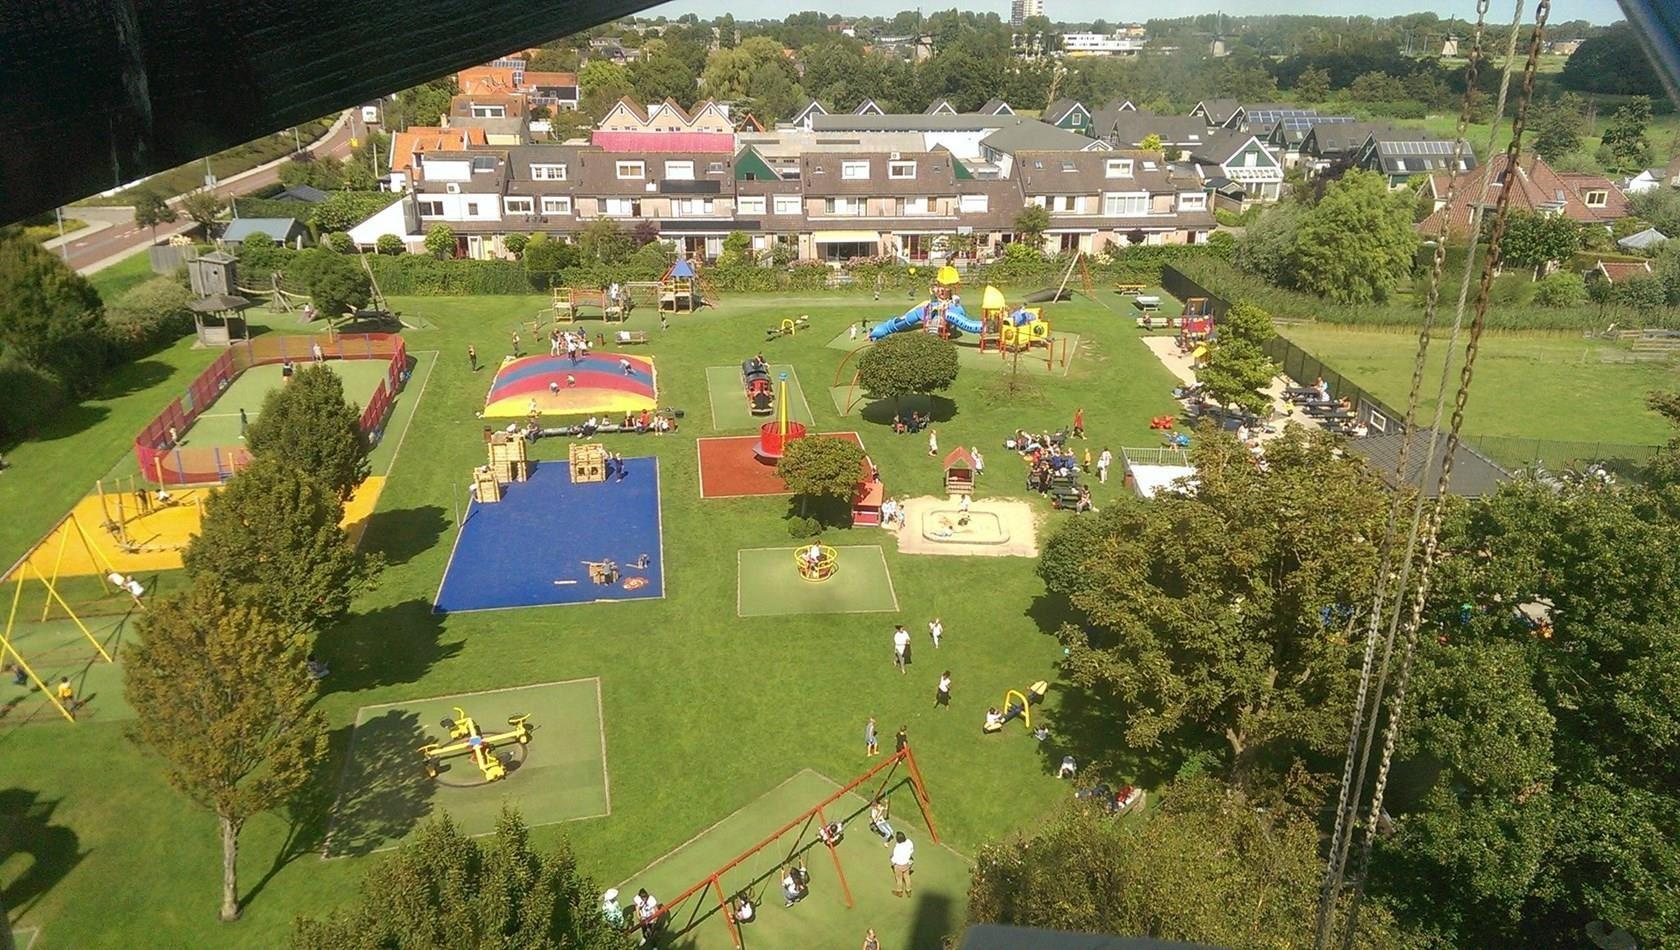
{"x":466,"y":738}
{"x":1020,"y":336}
{"x":1022,"y":706}
{"x":9,"y":652}
{"x":1010,"y":331}
{"x":816,"y":562}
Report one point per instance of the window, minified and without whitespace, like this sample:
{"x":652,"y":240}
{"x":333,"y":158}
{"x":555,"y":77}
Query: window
{"x":631,"y":170}
{"x":1119,"y":205}
{"x":1196,"y":201}
{"x":1068,"y":166}
{"x":914,"y":206}
{"x":901,"y":169}
{"x":624,"y":207}
{"x":750,"y":204}
{"x":548,"y":172}
{"x":1250,"y":159}
{"x":715,"y":168}
{"x":431,"y":209}
{"x":1119,"y":168}
{"x":787,"y":204}
{"x":973,"y":204}
{"x":692,"y":207}
{"x":681,"y":171}
{"x":518,"y":205}
{"x":1597,"y":199}
{"x":488,"y":112}
{"x":472,"y":209}
{"x":1066,"y":204}
{"x":483,"y":163}
{"x":840,"y":206}
{"x":557,"y":205}
{"x":854,"y":171}
{"x":1074,"y":118}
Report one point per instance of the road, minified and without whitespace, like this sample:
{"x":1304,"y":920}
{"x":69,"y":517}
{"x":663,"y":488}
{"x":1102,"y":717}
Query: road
{"x":124,"y":237}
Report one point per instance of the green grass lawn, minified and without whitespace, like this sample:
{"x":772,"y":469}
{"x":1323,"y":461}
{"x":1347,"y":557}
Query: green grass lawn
{"x":1527,"y":385}
{"x":125,"y":274}
{"x":703,"y":711}
{"x":219,"y":423}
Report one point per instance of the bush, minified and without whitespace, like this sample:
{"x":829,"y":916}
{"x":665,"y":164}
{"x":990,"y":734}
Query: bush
{"x":341,"y":242}
{"x":388,"y":244}
{"x":1561,"y":289}
{"x":148,"y":318}
{"x":28,"y":397}
{"x":257,"y":241}
{"x":343,"y":210}
{"x":515,"y":243}
{"x":800,"y":528}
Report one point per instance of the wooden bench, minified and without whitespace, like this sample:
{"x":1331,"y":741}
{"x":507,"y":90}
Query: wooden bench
{"x":1129,"y":290}
{"x":630,"y":336}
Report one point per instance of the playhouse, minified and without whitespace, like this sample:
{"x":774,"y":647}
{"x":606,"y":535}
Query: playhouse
{"x":959,"y":472}
{"x":682,"y":289}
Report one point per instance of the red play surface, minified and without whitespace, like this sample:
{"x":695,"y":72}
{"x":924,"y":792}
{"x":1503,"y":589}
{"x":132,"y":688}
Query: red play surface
{"x":728,"y":468}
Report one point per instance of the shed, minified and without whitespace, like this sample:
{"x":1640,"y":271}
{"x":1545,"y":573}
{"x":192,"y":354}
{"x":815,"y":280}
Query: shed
{"x":302,"y":194}
{"x":1643,"y":240}
{"x":289,"y":231}
{"x":959,"y":472}
{"x":213,"y":273}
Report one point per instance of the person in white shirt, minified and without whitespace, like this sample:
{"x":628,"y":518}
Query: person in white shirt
{"x":647,"y":911}
{"x":936,"y":630}
{"x":794,"y":885}
{"x":994,"y":721}
{"x":1068,"y":769}
{"x":903,"y":857}
{"x":1103,"y":462}
{"x":744,"y":909}
{"x":942,"y":693}
{"x":901,"y":648}
{"x":610,"y":909}
{"x":979,"y":462}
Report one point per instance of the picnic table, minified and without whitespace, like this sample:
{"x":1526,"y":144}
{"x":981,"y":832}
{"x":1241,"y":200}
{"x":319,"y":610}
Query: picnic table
{"x":1129,"y":290}
{"x":1148,"y":303}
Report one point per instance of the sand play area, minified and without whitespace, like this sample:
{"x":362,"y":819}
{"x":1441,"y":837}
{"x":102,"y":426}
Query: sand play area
{"x":996,"y":528}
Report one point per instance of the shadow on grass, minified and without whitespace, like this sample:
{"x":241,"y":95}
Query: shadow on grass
{"x":933,"y":921}
{"x":881,"y":411}
{"x":385,"y":792}
{"x":69,"y":421}
{"x":309,"y":813}
{"x":405,"y":533}
{"x":26,"y":827}
{"x":130,"y":378}
{"x":384,"y":647}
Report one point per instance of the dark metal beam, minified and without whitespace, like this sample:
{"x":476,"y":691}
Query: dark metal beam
{"x":101,"y":92}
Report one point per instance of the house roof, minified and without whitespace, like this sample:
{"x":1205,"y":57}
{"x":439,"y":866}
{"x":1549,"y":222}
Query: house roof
{"x":1218,"y":111}
{"x":304,"y":194}
{"x":940,"y":106}
{"x":935,"y":174}
{"x":1535,"y":187}
{"x":419,"y":139}
{"x":925,"y":122}
{"x":1474,"y":475}
{"x":280,"y":229}
{"x":461,"y":106}
{"x":476,"y":80}
{"x":488,"y":176}
{"x":1086,"y":173}
{"x":1220,"y":145}
{"x":546,"y":79}
{"x":714,"y":175}
{"x":1331,"y":140}
{"x":811,"y":107}
{"x":1129,"y":128}
{"x":748,"y":123}
{"x":661,"y":142}
{"x":1031,"y":134}
{"x":996,"y":107}
{"x":868,"y":107}
{"x":1617,"y":271}
{"x":959,"y":458}
{"x":1059,"y":110}
{"x":1643,"y":239}
{"x":1420,"y":156}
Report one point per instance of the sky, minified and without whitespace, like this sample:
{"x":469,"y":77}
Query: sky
{"x":1597,"y":11}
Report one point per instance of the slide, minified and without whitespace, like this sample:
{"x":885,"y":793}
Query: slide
{"x":911,"y":319}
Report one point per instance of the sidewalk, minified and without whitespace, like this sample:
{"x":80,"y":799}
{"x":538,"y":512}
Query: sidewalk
{"x":1180,"y":365}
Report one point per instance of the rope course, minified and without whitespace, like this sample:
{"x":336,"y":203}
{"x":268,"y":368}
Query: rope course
{"x":1423,"y":527}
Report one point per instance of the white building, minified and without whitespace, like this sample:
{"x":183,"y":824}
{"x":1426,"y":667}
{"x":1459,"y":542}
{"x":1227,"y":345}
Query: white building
{"x":1100,"y":44}
{"x":1019,"y":10}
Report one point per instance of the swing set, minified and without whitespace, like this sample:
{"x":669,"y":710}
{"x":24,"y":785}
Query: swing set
{"x":25,"y":569}
{"x":713,"y":882}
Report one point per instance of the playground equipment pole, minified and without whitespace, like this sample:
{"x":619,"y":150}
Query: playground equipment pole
{"x":781,"y":412}
{"x":839,"y":871}
{"x":920,"y":789}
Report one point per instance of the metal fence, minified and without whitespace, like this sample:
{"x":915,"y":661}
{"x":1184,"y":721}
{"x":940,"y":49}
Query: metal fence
{"x":1306,"y":369}
{"x":1557,"y":456}
{"x":1174,"y":282}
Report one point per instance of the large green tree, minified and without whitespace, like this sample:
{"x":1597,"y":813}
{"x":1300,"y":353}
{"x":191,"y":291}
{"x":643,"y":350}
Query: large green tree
{"x":1356,"y":245}
{"x":1203,"y":864}
{"x":662,"y":76}
{"x":152,"y":209}
{"x":50,"y":315}
{"x":339,"y":287}
{"x":221,"y":692}
{"x":309,"y":425}
{"x":1229,"y":615}
{"x":1625,"y":138}
{"x":1558,"y":126}
{"x":445,"y":889}
{"x":1611,"y":62}
{"x":906,"y":364}
{"x":1030,"y":224}
{"x":1313,"y":85}
{"x":204,"y":207}
{"x":1536,"y":240}
{"x":271,"y":537}
{"x":821,"y":468}
{"x":600,"y":84}
{"x":1236,"y":374}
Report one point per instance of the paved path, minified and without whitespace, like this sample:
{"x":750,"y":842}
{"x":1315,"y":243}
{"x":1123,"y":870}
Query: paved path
{"x":1179,"y":363}
{"x":97,"y":249}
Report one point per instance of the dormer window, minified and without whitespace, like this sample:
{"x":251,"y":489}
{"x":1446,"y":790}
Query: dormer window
{"x":631,"y":170}
{"x":1118,"y":168}
{"x":1598,"y":199}
{"x":901,"y":169}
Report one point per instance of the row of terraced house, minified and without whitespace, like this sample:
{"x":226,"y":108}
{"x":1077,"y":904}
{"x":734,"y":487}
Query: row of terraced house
{"x":829,"y":186}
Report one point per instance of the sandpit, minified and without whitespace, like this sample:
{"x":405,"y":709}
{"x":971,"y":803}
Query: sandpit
{"x":995,"y":528}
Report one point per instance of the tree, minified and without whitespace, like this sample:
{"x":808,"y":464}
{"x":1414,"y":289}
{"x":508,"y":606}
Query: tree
{"x":1203,"y":865}
{"x":729,"y":72}
{"x":499,"y":891}
{"x":1030,"y":225}
{"x":821,"y":468}
{"x":515,"y":243}
{"x":1357,"y":244}
{"x":1237,"y":374}
{"x":343,"y":210}
{"x":341,"y":242}
{"x":905,"y":364}
{"x":544,"y":257}
{"x":1313,"y":85}
{"x":1376,"y":86}
{"x":1150,"y":143}
{"x":662,"y":76}
{"x":1625,"y":137}
{"x":1611,"y":62}
{"x":50,"y":316}
{"x":1267,"y":246}
{"x":221,"y":691}
{"x":1558,"y":127}
{"x":1536,"y":240}
{"x":203,"y":206}
{"x":604,"y":242}
{"x":772,"y":94}
{"x":600,"y":84}
{"x":271,"y":537}
{"x":309,"y":425}
{"x":152,"y":209}
{"x":340,"y":289}
{"x":440,"y":240}
{"x":388,"y":244}
{"x":1227,"y":616}
{"x":1559,"y":289}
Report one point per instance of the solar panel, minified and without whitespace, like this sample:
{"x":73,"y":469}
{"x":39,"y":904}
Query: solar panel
{"x":1419,"y":148}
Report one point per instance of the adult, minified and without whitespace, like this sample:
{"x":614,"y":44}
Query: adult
{"x":1103,"y":462}
{"x":936,"y":630}
{"x":244,"y":424}
{"x":903,"y":860}
{"x":1069,"y":768}
{"x":901,"y":648}
{"x":942,"y":692}
{"x":647,"y":912}
{"x":610,"y":909}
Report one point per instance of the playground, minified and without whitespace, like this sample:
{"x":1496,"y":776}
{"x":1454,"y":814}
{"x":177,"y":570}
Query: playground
{"x":771,"y":583}
{"x":731,"y":408}
{"x":547,"y":540}
{"x":218,"y":425}
{"x":823,"y":918}
{"x":730,"y":469}
{"x":559,"y":774}
{"x":989,"y":528}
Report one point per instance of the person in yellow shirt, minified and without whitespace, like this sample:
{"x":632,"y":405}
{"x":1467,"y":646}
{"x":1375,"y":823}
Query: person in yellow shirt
{"x":67,"y":695}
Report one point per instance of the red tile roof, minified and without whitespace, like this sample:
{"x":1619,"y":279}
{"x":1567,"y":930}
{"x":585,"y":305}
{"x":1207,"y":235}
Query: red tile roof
{"x":1618,"y":271}
{"x":1535,"y":187}
{"x":534,"y":79}
{"x":416,"y":139}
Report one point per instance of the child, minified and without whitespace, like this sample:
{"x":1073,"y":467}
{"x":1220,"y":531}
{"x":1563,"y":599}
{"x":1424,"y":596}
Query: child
{"x":942,"y":693}
{"x":67,"y":696}
{"x":870,"y":745}
{"x":936,"y":630}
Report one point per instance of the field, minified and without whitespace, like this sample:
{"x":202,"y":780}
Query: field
{"x":1527,"y":385}
{"x":678,"y":675}
{"x":219,"y":424}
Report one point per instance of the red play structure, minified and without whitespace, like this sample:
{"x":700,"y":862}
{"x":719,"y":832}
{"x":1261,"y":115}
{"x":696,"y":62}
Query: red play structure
{"x":773,"y":437}
{"x":713,"y":882}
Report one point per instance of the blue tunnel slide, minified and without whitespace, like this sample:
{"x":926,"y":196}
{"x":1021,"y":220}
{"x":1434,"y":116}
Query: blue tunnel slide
{"x":911,"y":319}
